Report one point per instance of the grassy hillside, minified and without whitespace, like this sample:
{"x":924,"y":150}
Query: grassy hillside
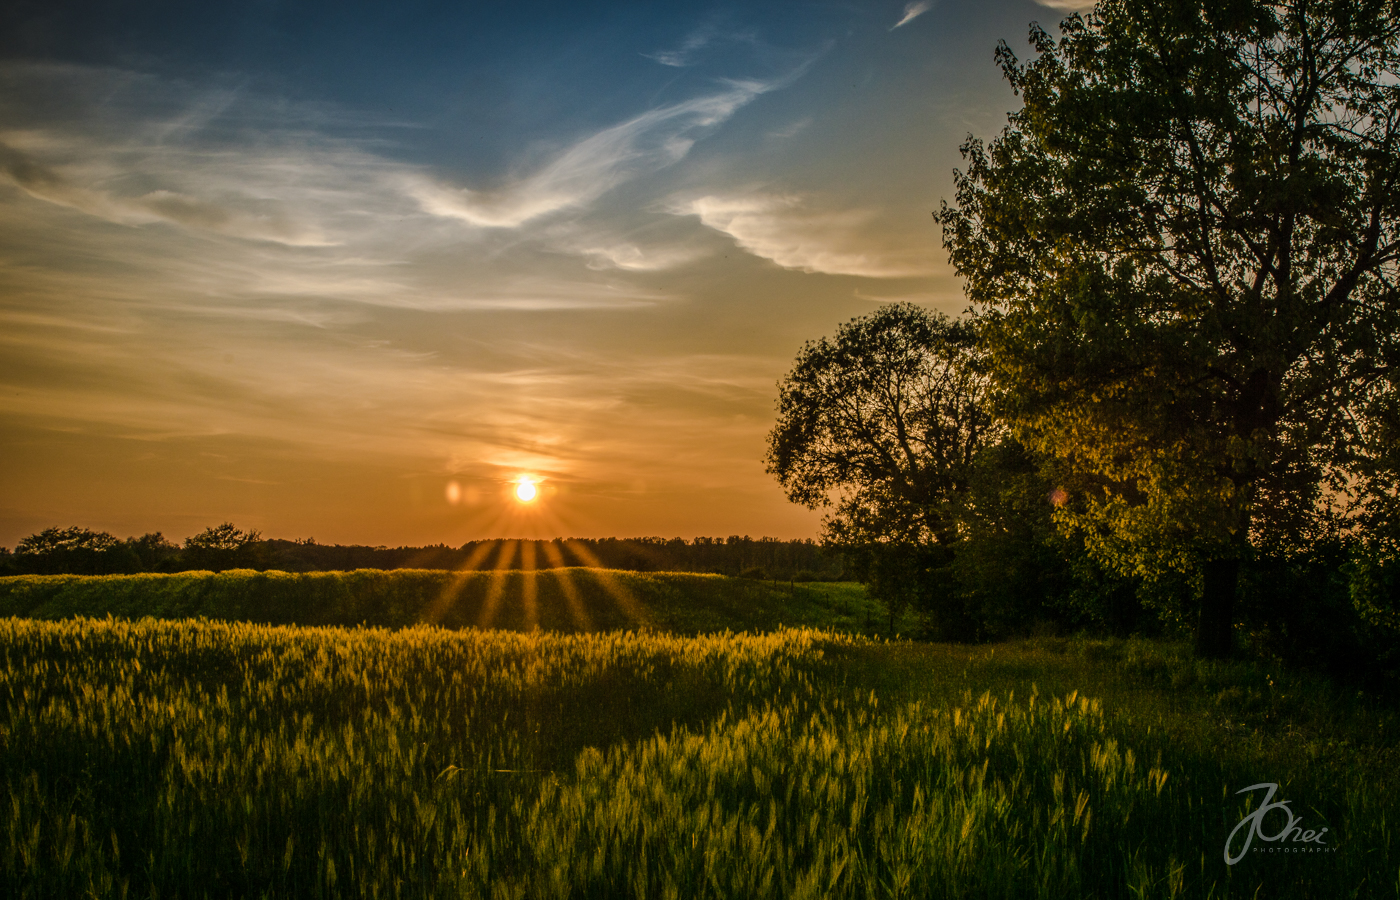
{"x":566,"y":600}
{"x":199,"y":759}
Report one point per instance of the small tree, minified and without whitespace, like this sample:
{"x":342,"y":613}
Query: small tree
{"x":1185,"y":249}
{"x":222,"y":547}
{"x":880,"y":425}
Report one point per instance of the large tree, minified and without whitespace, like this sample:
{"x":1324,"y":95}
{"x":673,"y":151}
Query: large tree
{"x":1184,"y":250}
{"x":881,"y":425}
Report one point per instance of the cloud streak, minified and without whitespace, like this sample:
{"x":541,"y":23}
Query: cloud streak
{"x":911,"y":12}
{"x":632,"y":257}
{"x":683,"y":56}
{"x":226,"y":194}
{"x":787,"y":231}
{"x":223,"y":205}
{"x":595,"y":165}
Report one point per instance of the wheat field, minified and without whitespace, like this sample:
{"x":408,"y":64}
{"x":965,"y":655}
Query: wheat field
{"x":206,"y":759}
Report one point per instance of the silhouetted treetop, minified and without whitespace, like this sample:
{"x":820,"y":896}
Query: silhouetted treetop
{"x":881,"y":423}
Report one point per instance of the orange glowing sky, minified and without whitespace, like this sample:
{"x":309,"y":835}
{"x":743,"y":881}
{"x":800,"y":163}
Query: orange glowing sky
{"x":351,"y":273}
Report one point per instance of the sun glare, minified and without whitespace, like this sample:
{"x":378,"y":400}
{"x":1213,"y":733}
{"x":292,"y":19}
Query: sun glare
{"x":525,"y":490}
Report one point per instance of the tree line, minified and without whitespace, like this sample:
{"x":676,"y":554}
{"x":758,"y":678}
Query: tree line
{"x":1174,"y":403}
{"x":81,"y":551}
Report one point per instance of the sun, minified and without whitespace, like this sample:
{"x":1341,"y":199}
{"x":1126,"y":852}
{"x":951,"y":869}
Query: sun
{"x":525,"y":490}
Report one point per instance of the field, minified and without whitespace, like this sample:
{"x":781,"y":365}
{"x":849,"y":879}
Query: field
{"x":565,"y":600}
{"x":200,"y":758}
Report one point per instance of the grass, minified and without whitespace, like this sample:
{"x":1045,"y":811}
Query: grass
{"x":563,"y":600}
{"x":185,"y":758}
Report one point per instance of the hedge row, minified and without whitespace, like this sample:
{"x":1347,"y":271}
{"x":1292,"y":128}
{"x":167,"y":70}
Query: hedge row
{"x":574,"y":599}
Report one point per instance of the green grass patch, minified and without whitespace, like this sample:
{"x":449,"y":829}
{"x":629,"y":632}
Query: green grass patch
{"x":564,"y":600}
{"x":213,"y":759}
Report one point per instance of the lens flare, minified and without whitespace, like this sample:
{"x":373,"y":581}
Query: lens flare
{"x":525,"y":490}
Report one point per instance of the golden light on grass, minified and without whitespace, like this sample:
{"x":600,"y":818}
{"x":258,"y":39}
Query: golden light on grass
{"x":525,"y":491}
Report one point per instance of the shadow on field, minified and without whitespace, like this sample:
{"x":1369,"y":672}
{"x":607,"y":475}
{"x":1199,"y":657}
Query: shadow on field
{"x":1223,"y":726}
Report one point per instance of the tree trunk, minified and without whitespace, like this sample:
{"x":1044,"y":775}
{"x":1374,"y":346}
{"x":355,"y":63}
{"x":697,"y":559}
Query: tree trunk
{"x":1215,"y":630}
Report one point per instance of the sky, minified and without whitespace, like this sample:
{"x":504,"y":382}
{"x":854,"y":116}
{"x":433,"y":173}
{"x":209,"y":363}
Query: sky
{"x":351,"y":271}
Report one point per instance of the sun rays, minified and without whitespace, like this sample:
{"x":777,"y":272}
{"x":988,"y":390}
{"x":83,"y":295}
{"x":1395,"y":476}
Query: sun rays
{"x":610,"y":584}
{"x":577,"y":611}
{"x":529,"y":584}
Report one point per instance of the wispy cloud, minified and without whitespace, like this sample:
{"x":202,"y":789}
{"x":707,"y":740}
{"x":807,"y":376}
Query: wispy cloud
{"x":194,"y":316}
{"x":1068,"y":5}
{"x":531,"y":294}
{"x":789,"y":231}
{"x":684,"y":55}
{"x":232,"y":214}
{"x":649,"y":142}
{"x":912,"y":11}
{"x":638,"y":258}
{"x":791,"y":129}
{"x":159,"y":153}
{"x":221,"y":200}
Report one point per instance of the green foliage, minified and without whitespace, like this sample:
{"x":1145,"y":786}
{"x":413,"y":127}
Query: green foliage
{"x":205,"y":759}
{"x":223,"y":547}
{"x":1014,"y":572}
{"x":58,"y":540}
{"x":1331,"y":606}
{"x":881,"y":424}
{"x":81,"y":551}
{"x":153,"y":552}
{"x":61,"y":550}
{"x":935,"y":511}
{"x":1374,"y":591}
{"x":1184,"y":247}
{"x":225,"y":538}
{"x":908,"y":577}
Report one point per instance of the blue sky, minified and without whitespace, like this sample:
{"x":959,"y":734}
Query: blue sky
{"x":351,"y":271}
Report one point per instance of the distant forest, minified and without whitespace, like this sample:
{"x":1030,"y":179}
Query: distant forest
{"x":79,"y":551}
